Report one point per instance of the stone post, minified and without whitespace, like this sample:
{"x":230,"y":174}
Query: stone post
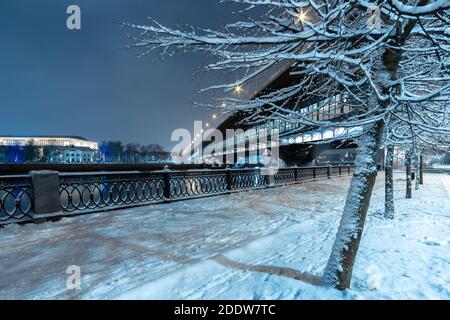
{"x":229,"y":178}
{"x":46,"y":199}
{"x":166,"y":178}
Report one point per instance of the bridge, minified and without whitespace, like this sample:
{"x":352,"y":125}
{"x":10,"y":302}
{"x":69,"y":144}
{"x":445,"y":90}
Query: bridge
{"x":299,"y":144}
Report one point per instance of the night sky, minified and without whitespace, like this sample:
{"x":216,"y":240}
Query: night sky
{"x":54,"y":81}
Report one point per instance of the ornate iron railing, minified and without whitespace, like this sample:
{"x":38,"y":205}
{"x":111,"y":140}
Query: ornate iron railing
{"x":98,"y":191}
{"x":321,"y":172}
{"x":285,"y":176}
{"x":335,"y":171}
{"x":304,"y":174}
{"x":16,"y":194}
{"x":81,"y":193}
{"x":191,"y":184}
{"x":246,"y":179}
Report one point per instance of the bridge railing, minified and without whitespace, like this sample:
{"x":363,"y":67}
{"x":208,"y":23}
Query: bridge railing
{"x":79,"y":193}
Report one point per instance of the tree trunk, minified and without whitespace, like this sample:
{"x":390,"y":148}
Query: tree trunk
{"x":417,"y":161}
{"x":389,"y":184}
{"x":338,"y":271}
{"x":421,"y":169}
{"x":408,"y":175}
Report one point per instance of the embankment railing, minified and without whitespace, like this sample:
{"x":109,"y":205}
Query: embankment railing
{"x":48,"y":194}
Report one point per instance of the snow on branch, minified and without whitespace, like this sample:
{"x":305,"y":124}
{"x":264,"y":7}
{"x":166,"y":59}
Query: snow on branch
{"x":395,"y":70}
{"x":420,"y":10}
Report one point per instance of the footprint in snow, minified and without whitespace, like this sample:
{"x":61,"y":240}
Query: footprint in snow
{"x":432,"y":242}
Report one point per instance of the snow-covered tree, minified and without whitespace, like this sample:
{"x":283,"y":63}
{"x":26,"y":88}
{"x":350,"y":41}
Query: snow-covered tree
{"x":389,"y":183}
{"x":414,"y":139}
{"x":388,"y":58}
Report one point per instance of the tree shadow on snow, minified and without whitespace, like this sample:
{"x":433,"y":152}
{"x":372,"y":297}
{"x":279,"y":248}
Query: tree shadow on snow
{"x":274,"y":270}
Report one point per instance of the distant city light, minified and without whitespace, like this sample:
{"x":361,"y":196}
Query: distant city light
{"x":207,"y":124}
{"x":214,"y":116}
{"x":237,"y":89}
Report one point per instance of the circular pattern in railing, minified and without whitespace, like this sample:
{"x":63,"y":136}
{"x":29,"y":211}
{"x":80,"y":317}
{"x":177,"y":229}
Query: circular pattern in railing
{"x":305,"y":174}
{"x":15,"y":202}
{"x":247,"y":180}
{"x":97,"y":193}
{"x":192,"y":185}
{"x":285,"y":176}
{"x":321,"y":172}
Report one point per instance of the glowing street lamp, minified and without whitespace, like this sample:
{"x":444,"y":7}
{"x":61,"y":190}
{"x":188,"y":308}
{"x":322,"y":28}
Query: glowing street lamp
{"x":214,"y":116}
{"x":301,"y":18}
{"x":238,"y":89}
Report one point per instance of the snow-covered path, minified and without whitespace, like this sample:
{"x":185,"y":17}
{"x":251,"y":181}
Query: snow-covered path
{"x":192,"y":249}
{"x":407,"y":258}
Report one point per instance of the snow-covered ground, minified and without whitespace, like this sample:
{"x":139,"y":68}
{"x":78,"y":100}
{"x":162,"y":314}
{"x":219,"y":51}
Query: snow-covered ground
{"x":212,"y":248}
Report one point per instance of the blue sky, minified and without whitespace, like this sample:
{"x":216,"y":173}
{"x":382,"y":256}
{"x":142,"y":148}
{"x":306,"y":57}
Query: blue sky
{"x":59,"y":82}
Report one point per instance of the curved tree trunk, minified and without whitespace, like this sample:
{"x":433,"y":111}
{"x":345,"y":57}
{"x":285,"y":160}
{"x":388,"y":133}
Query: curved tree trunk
{"x":389,"y":184}
{"x":338,"y":271}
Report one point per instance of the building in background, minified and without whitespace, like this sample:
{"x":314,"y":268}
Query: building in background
{"x":117,"y":152}
{"x":48,"y":149}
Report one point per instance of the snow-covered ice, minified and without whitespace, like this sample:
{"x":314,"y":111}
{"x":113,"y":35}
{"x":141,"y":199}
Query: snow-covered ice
{"x":213,"y":248}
